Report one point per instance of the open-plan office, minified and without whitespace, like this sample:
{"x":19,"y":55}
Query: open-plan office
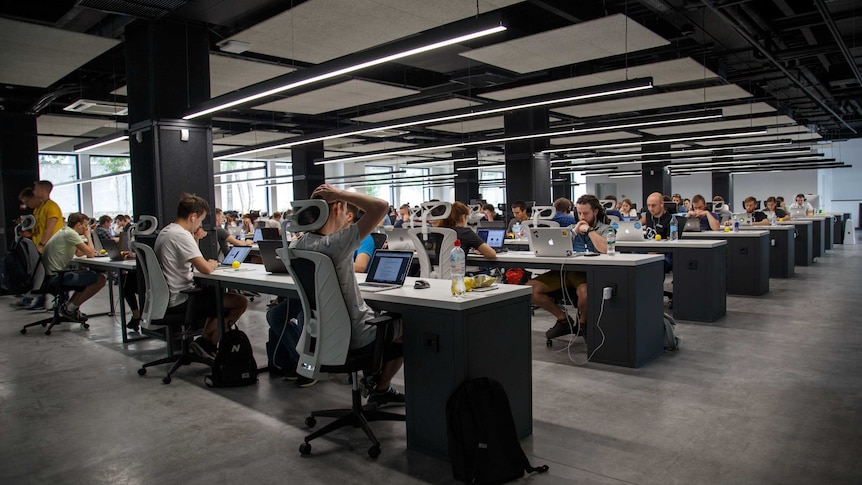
{"x":125,"y":106}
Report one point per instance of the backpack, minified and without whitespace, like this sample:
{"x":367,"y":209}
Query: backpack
{"x":16,"y":275}
{"x":483,"y":443}
{"x":671,"y":342}
{"x":234,"y":364}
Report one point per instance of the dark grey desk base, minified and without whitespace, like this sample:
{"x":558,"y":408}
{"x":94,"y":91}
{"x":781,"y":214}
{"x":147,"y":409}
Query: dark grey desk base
{"x":818,"y":247}
{"x":804,"y":244}
{"x":827,"y":232}
{"x":699,"y":281}
{"x":747,"y":264}
{"x":782,"y":251}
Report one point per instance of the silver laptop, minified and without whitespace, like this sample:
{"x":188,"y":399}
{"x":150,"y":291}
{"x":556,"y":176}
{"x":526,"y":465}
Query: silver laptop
{"x":692,"y":224}
{"x":388,"y":270}
{"x":800,"y":212}
{"x":551,"y":241}
{"x":236,"y":253}
{"x":742,"y":217}
{"x":399,"y":239}
{"x":629,"y":231}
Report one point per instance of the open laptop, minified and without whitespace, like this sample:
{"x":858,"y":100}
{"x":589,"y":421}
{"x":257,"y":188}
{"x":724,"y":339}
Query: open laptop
{"x":742,"y":217}
{"x":399,"y":239}
{"x":236,"y":253}
{"x":629,"y":230}
{"x":266,"y":234}
{"x":388,"y":270}
{"x":551,"y":241}
{"x":111,"y":248}
{"x":271,"y":260}
{"x":799,"y":212}
{"x":692,"y":224}
{"x":493,"y":238}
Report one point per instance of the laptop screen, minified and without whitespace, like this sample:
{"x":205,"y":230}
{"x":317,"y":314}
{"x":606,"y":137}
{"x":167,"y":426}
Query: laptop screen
{"x":258,"y":235}
{"x":389,"y":266}
{"x":236,"y":253}
{"x":493,"y":237}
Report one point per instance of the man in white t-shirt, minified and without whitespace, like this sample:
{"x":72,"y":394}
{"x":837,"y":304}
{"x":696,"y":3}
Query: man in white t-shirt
{"x":802,"y":203}
{"x":179,"y":255}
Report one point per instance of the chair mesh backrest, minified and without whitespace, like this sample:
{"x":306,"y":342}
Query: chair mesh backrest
{"x":379,"y":240}
{"x":327,"y":328}
{"x":156,"y":292}
{"x":440,"y":242}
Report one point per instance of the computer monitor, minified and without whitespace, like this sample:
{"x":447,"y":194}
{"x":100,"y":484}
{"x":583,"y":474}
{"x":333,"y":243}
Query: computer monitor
{"x":670,"y":207}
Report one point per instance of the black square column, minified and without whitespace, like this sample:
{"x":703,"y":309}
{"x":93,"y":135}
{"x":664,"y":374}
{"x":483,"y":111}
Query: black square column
{"x":655,"y":177}
{"x":306,"y":175}
{"x":722,"y":185}
{"x":19,"y":167}
{"x":528,"y":172}
{"x":466,"y":181}
{"x":561,"y":186}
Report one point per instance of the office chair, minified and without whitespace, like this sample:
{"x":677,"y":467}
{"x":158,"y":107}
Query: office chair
{"x":325,"y":340}
{"x":156,"y":297}
{"x":379,"y":240}
{"x":440,"y":241}
{"x":45,"y":285}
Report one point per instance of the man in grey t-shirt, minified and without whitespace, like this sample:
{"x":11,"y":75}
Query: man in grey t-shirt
{"x":338,"y":238}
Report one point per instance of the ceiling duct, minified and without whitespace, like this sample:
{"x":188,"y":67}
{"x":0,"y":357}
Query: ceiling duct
{"x":102,"y":108}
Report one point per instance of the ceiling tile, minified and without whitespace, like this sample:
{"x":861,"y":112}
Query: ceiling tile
{"x":720,"y":125}
{"x":419,"y":109}
{"x":339,"y":96}
{"x":655,"y":101}
{"x":577,"y":140}
{"x":469,"y":126}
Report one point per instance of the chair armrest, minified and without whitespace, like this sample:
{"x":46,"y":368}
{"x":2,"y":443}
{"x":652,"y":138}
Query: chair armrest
{"x":191,"y":304}
{"x":385,"y":324}
{"x":192,"y":291}
{"x":384,"y":319}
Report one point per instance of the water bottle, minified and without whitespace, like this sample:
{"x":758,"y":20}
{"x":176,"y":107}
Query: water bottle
{"x":612,"y":242}
{"x":457,"y":263}
{"x":674,"y":229}
{"x":736,"y":225}
{"x":516,"y":230}
{"x":772,"y":221}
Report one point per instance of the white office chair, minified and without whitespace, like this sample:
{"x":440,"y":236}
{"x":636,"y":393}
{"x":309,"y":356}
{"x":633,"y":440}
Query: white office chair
{"x":324,"y":346}
{"x":433,"y":264}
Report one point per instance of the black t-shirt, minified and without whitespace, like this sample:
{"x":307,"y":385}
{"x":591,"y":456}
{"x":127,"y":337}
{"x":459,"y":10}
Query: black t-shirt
{"x":469,"y":239}
{"x":779,"y":212}
{"x":660,"y":225}
{"x":758,"y":216}
{"x":222,"y":235}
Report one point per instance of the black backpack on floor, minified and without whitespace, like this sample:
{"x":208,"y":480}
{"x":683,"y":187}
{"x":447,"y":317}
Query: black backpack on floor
{"x":483,"y":444}
{"x":234,"y":363}
{"x":16,"y":275}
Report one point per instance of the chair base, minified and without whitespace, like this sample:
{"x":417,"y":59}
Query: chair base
{"x":185,"y":357}
{"x":54,"y":320}
{"x":356,"y":417}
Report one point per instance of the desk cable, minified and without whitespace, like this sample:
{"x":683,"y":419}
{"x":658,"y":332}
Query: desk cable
{"x":568,"y":347}
{"x":280,"y":337}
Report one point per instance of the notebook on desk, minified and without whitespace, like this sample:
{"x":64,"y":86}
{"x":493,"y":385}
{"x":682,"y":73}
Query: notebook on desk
{"x":551,"y":242}
{"x":271,"y":260}
{"x":629,"y":231}
{"x":493,"y":238}
{"x":388,"y":270}
{"x":236,"y":253}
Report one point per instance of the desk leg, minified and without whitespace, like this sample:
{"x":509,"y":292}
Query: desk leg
{"x":220,"y":308}
{"x":116,"y":273}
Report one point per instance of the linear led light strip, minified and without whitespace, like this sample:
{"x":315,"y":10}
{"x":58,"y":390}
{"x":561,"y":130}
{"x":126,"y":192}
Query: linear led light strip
{"x":103,"y":143}
{"x":744,"y":163}
{"x":427,"y":121}
{"x":811,"y":165}
{"x":652,"y":142}
{"x":671,"y":160}
{"x":431,"y":163}
{"x":480,"y":167}
{"x":393,"y":180}
{"x":349,"y":69}
{"x":668,"y":152}
{"x":547,"y":134}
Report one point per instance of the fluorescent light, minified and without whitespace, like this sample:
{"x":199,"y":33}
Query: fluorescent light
{"x":347,"y":70}
{"x":102,"y":141}
{"x":479,"y":167}
{"x":652,"y":142}
{"x":438,"y":162}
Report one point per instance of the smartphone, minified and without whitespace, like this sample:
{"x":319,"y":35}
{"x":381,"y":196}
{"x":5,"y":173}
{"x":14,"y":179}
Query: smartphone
{"x":485,"y":288}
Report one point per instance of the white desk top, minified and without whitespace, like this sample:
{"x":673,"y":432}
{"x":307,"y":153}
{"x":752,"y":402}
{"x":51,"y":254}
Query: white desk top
{"x":438,"y":296}
{"x":750,"y":231}
{"x":530,"y":259}
{"x":765,"y":228}
{"x":105,"y":262}
{"x":815,"y":217}
{"x":681,"y":243}
{"x":796,"y":221}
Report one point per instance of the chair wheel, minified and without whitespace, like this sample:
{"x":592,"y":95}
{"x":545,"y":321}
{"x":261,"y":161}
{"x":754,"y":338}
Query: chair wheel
{"x":44,"y":324}
{"x":374,"y":451}
{"x":142,"y":371}
{"x":549,"y":343}
{"x":166,"y":380}
{"x":310,"y":422}
{"x":305,"y":449}
{"x":23,"y":331}
{"x":47,"y":332}
{"x":85,"y":326}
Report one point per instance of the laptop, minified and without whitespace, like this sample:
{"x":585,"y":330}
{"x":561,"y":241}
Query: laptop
{"x":236,"y":253}
{"x":629,"y":230}
{"x":399,"y":239}
{"x":387,"y":271}
{"x":692,"y":224}
{"x":742,"y":217}
{"x":493,"y":238}
{"x":271,"y":260}
{"x":551,"y":241}
{"x":111,"y":248}
{"x":266,"y":234}
{"x":800,"y":212}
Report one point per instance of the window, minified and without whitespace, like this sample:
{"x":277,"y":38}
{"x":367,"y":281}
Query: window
{"x":59,"y":169}
{"x":492,"y":186}
{"x":382,"y":189}
{"x":112,"y":189}
{"x":239,"y":195}
{"x":284,"y":189}
{"x":413,"y":194}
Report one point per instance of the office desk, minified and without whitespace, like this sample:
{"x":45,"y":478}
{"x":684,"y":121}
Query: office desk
{"x":804,"y":244}
{"x":445,"y":342}
{"x":631,"y":320}
{"x":781,"y":249}
{"x":818,"y":247}
{"x":699,"y":275}
{"x":104,"y":263}
{"x":747,"y":259}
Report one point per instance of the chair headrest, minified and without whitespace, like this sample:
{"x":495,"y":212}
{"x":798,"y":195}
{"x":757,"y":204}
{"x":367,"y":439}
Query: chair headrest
{"x":434,"y":211}
{"x":608,"y":203}
{"x":145,"y":226}
{"x":543,"y":212}
{"x":308,"y":215}
{"x":28,"y":222}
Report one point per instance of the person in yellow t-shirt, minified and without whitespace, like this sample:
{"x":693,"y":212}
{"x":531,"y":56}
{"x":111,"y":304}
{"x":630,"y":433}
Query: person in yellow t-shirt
{"x":48,"y":214}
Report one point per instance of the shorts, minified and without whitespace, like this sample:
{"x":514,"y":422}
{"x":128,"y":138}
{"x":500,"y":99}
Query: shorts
{"x":205,"y":304}
{"x":551,"y":279}
{"x":391,"y":350}
{"x":78,"y":279}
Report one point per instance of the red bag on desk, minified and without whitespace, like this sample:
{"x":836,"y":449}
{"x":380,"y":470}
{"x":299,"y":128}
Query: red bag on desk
{"x":515,"y":276}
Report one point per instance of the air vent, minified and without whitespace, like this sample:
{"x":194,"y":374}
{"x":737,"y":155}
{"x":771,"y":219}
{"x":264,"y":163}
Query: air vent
{"x":385,"y":133}
{"x":148,"y":9}
{"x":104,"y":108}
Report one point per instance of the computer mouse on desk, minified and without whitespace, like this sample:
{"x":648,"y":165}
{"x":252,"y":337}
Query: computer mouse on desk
{"x":421,"y":285}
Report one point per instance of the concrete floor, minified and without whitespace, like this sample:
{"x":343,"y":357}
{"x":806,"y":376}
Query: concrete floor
{"x":769,"y":394}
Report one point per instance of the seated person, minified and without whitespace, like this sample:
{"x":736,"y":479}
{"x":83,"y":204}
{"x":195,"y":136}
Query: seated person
{"x":274,"y":220}
{"x":614,"y":211}
{"x":780,"y":200}
{"x":709,"y":221}
{"x":626,"y":209}
{"x":677,"y":199}
{"x":403,"y":216}
{"x":686,"y":203}
{"x":490,"y":213}
{"x":757,"y":218}
{"x":59,"y":251}
{"x":591,"y":234}
{"x":656,"y":221}
{"x":562,"y":214}
{"x":103,"y":228}
{"x":724,"y":213}
{"x":457,"y":221}
{"x":772,"y":210}
{"x":362,"y":255}
{"x":519,"y":213}
{"x":225,"y":240}
{"x":179,"y":255}
{"x":338,"y":239}
{"x":801,"y":203}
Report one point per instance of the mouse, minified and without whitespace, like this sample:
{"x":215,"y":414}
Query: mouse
{"x":421,"y":285}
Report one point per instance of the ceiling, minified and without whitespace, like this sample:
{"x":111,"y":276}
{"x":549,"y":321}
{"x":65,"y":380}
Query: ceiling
{"x":786,"y":67}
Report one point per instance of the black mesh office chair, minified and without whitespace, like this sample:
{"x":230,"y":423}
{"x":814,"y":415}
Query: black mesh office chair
{"x":379,"y":240}
{"x":325,"y":340}
{"x":53,"y":285}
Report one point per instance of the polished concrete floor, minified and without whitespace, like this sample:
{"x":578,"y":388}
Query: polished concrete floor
{"x":770,"y":394}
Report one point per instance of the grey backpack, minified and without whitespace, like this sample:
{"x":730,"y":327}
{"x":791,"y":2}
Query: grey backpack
{"x":671,"y":341}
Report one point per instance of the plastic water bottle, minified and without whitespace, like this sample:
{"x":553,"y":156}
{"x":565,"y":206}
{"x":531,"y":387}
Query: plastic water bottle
{"x":516,"y":230}
{"x":772,"y":220}
{"x":736,"y":225}
{"x":674,"y":229}
{"x":457,"y":263}
{"x":612,"y":242}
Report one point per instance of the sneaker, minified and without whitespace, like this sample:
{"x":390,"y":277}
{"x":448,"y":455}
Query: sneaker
{"x":389,"y":397}
{"x":562,"y":327}
{"x":73,"y":315}
{"x":134,"y":324}
{"x":38,"y":304}
{"x":367,"y":385}
{"x":24,"y":301}
{"x":82,"y":317}
{"x":203,"y":348}
{"x":290,"y":374}
{"x":302,"y":381}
